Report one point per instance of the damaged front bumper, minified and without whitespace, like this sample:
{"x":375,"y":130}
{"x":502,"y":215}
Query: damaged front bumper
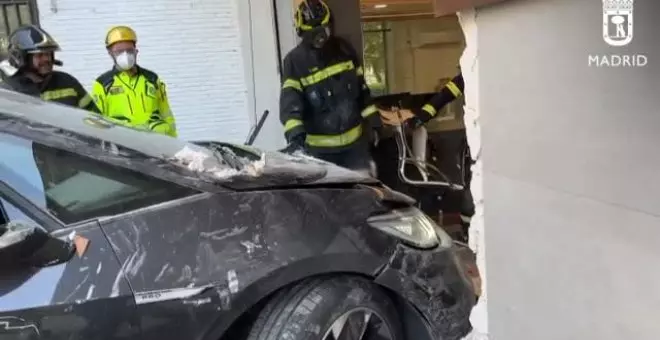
{"x":440,"y":283}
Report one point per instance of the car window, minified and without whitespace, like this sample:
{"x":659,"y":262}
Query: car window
{"x":75,"y":188}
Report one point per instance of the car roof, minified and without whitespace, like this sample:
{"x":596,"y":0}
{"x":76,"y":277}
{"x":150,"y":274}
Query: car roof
{"x":37,"y":111}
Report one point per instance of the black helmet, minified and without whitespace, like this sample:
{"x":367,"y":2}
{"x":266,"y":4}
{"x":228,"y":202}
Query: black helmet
{"x":312,"y":14}
{"x":26,"y":40}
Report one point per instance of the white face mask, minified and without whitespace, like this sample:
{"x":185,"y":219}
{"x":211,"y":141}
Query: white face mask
{"x":125,"y":61}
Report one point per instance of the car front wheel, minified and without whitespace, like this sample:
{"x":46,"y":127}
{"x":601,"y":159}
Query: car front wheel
{"x":336,"y":308}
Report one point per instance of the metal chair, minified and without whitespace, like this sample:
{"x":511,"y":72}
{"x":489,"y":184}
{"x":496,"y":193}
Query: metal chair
{"x":429,"y":175}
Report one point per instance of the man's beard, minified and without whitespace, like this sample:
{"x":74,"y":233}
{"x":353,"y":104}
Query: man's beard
{"x":44,"y":69}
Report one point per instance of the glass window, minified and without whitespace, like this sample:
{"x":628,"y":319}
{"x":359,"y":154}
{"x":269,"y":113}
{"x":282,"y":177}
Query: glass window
{"x":15,"y":13}
{"x":75,"y":188}
{"x":375,"y":56}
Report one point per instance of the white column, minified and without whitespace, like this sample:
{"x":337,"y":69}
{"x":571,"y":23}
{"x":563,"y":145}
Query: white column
{"x":260,"y":44}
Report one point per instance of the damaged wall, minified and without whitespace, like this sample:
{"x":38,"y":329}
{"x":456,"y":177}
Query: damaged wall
{"x":470,"y":69}
{"x":571,"y":173}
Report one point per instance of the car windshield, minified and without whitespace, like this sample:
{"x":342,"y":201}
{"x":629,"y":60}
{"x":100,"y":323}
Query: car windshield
{"x":75,"y":188}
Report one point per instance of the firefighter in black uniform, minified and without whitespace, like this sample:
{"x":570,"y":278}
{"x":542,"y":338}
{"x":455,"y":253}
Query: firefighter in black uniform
{"x":28,"y":69}
{"x":452,"y":90}
{"x":325,"y":104}
{"x":451,"y":143}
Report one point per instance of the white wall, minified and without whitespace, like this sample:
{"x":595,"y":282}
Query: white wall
{"x":202,"y":49}
{"x":260,"y":41}
{"x":571,"y":173}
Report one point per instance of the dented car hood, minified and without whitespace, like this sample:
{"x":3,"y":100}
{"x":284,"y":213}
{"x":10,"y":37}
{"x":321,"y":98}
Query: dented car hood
{"x":243,"y":167}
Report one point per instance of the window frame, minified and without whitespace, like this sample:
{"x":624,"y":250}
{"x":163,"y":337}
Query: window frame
{"x":382,"y":29}
{"x":32,"y":5}
{"x":33,"y":9}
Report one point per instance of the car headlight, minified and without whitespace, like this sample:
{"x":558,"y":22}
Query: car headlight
{"x":413,"y":227}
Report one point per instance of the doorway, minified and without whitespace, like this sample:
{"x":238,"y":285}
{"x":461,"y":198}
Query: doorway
{"x":406,"y":48}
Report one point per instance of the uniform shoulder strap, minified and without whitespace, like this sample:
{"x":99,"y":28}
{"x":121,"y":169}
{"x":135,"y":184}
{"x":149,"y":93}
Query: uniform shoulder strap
{"x":151,"y":76}
{"x":107,"y":79}
{"x":64,"y":79}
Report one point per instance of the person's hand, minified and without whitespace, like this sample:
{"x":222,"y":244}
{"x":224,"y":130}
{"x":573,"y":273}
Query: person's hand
{"x":296,"y":143}
{"x":413,"y":123}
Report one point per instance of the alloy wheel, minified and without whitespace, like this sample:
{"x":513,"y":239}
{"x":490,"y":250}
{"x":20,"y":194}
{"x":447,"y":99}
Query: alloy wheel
{"x":359,"y":324}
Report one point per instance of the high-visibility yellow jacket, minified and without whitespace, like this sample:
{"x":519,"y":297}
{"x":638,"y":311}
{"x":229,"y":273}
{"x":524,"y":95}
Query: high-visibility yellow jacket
{"x":138,"y":100}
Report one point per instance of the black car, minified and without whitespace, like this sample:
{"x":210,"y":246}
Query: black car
{"x":107,"y":232}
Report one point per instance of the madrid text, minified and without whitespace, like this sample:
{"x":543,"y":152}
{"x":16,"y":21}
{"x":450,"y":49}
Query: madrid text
{"x":616,"y":60}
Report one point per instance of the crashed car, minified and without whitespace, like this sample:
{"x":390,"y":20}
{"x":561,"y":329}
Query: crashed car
{"x":112,"y":233}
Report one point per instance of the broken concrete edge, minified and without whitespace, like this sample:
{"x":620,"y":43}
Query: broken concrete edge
{"x":448,"y":7}
{"x":470,"y":68}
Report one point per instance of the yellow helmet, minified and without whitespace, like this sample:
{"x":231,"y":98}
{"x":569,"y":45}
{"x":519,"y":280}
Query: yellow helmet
{"x":120,"y":33}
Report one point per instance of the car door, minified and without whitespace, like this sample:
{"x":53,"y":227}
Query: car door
{"x":85,"y":297}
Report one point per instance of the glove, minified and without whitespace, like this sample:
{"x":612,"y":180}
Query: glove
{"x":413,"y":123}
{"x":296,"y":143}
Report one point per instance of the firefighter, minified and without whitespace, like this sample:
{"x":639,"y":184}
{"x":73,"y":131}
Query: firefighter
{"x":325,"y":104}
{"x":28,"y":69}
{"x":130,"y":94}
{"x":448,"y":93}
{"x":448,"y":138}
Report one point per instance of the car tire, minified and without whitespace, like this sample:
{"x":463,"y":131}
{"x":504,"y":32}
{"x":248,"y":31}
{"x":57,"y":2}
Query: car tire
{"x":314,"y":310}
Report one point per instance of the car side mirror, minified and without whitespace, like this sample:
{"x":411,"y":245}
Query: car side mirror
{"x":24,"y":244}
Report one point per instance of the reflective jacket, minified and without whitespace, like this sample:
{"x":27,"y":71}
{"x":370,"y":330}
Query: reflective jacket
{"x":138,"y":100}
{"x":325,"y":97}
{"x":59,"y":87}
{"x":432,"y":111}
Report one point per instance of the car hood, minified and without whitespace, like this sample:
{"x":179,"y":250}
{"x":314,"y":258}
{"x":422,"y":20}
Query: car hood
{"x":241,"y":167}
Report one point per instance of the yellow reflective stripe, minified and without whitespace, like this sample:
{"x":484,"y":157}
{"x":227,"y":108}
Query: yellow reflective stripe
{"x":454,"y":89}
{"x":292,"y":124}
{"x":327,"y":73}
{"x":154,"y":124}
{"x":360,"y":71}
{"x":369,"y":110}
{"x":430,"y":109}
{"x":346,"y":138}
{"x":84,"y":101}
{"x":57,"y":94}
{"x":305,"y":27}
{"x":291,"y":83}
